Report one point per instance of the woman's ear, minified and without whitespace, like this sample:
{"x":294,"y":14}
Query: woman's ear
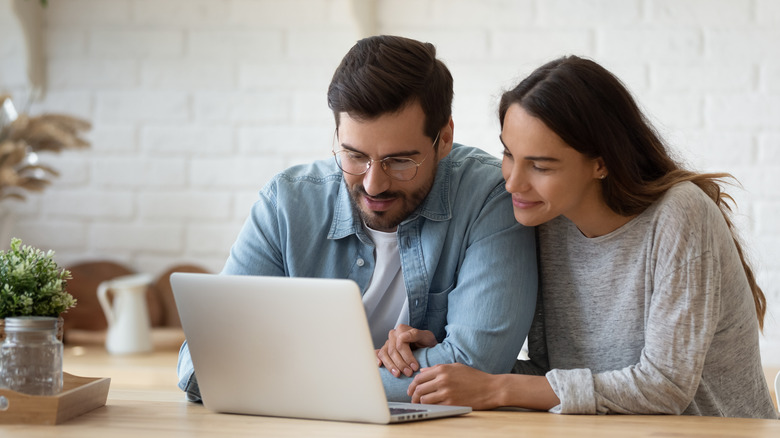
{"x":600,"y":168}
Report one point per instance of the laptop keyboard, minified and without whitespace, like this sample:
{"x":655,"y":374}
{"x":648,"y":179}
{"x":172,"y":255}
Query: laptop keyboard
{"x":395,"y":411}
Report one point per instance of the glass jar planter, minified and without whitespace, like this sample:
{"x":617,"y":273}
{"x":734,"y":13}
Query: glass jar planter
{"x":31,"y":356}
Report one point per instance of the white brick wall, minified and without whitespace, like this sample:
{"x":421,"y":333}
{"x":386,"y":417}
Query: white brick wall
{"x":196,"y":103}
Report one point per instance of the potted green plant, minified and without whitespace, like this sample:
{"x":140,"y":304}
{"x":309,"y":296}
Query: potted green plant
{"x":31,"y":284}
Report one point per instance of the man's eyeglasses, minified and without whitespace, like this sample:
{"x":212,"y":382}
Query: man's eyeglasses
{"x":355,"y":163}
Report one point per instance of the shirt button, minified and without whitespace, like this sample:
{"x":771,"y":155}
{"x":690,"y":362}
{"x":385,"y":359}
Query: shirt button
{"x":361,"y":262}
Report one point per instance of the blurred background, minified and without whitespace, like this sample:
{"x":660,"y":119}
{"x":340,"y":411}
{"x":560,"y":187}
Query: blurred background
{"x":195,"y":104}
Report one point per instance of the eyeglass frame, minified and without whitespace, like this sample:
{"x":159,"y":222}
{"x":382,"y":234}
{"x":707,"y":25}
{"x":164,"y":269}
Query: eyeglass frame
{"x":383,"y":165}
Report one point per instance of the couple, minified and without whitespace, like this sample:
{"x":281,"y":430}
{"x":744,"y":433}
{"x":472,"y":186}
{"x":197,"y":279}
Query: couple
{"x":645,"y":304}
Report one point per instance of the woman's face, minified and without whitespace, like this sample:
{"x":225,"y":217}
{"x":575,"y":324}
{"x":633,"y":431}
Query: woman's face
{"x":546,"y":176}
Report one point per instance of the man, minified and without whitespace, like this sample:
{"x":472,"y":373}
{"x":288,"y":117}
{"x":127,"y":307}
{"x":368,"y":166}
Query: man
{"x":422,"y":225}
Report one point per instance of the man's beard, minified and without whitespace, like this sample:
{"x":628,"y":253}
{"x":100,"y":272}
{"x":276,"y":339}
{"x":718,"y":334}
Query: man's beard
{"x":387,"y":221}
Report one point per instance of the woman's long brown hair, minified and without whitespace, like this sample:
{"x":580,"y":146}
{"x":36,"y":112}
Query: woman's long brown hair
{"x":593,"y":112}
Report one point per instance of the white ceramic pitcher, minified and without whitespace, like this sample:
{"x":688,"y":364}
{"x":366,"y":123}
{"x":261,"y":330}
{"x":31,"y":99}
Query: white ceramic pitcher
{"x":129,"y":330}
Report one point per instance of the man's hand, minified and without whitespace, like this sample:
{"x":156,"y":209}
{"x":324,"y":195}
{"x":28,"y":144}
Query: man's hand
{"x":396,"y":355}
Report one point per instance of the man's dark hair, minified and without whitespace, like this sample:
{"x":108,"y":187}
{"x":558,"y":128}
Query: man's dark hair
{"x":382,"y":74}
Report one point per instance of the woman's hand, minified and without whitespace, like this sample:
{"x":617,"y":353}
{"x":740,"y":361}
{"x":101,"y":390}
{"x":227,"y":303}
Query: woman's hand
{"x":396,"y":355}
{"x":455,"y":384}
{"x":458,"y":384}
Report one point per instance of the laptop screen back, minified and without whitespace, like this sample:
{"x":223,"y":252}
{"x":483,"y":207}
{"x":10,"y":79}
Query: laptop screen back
{"x":278,"y":346}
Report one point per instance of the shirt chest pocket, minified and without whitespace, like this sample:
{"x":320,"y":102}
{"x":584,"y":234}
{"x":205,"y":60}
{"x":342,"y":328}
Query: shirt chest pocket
{"x":436,"y":313}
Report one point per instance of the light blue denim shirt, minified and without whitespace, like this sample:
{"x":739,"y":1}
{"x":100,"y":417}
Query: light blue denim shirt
{"x":468,"y":266}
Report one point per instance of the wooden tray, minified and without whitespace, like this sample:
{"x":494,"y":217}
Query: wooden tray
{"x":78,"y":396}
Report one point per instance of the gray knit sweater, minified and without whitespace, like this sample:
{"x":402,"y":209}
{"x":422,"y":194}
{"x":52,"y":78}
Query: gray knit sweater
{"x":654,"y":318}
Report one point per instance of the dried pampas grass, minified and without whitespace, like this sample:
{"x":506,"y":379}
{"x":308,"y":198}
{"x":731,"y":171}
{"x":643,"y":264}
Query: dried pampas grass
{"x":23,"y":138}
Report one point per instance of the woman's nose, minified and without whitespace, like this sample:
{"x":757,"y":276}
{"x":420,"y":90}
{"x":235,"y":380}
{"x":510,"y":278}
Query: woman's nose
{"x":515,"y":182}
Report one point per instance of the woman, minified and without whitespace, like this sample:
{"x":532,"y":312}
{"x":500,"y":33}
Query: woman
{"x":647,"y":304}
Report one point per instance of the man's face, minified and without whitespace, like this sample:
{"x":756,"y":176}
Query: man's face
{"x":382,"y":201}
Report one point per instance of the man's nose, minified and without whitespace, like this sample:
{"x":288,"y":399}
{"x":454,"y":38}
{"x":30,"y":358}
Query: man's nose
{"x":375,"y":180}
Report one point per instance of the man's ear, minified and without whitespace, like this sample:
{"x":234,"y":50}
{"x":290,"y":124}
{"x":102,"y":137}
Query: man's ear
{"x":445,"y":139}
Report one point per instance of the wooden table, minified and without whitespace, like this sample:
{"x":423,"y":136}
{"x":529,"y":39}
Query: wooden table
{"x":144,"y":402}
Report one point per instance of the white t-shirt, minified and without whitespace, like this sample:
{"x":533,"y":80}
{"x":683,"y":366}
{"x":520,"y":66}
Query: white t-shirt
{"x":385,"y":299}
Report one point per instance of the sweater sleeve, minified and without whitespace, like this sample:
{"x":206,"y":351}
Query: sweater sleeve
{"x":680,"y":327}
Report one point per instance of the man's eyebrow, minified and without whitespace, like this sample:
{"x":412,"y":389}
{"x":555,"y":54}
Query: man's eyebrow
{"x":397,"y":154}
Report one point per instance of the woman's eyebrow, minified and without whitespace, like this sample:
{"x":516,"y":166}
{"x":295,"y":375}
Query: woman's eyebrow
{"x":540,"y":158}
{"x":531,"y":157}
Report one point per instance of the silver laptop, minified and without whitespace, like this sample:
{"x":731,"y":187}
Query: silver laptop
{"x":287,"y":347}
